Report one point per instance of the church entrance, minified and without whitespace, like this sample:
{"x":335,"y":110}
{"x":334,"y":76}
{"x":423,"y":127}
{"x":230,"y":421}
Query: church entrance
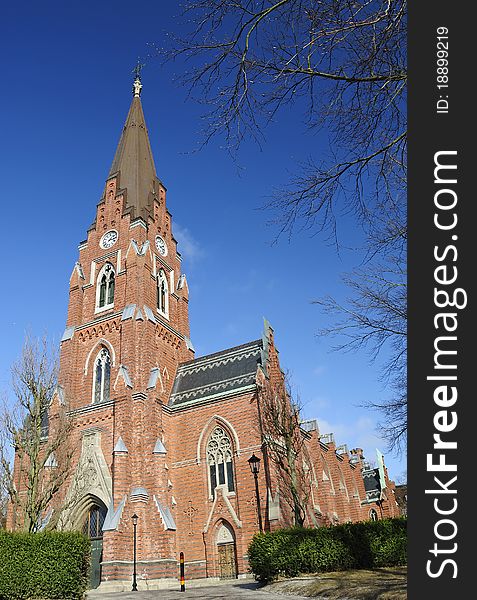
{"x":93,"y":528}
{"x":227,"y":552}
{"x":227,"y":562}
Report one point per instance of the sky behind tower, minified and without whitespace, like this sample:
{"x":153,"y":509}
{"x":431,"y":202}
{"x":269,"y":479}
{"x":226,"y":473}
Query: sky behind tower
{"x":67,"y":89}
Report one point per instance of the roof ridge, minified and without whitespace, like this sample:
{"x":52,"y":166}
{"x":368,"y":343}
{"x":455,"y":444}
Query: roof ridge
{"x":258,"y":343}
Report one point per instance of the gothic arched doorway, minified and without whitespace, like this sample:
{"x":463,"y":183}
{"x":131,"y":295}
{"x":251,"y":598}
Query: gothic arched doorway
{"x":226,"y":552}
{"x":93,"y":528}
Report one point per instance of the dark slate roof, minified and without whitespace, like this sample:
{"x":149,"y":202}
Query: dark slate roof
{"x":217,"y":375}
{"x":372,"y":485}
{"x":371,"y":480}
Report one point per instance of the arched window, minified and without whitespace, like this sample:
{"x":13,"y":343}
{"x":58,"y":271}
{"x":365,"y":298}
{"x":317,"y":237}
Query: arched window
{"x":162,"y":294}
{"x":102,"y":376}
{"x":373,"y":515}
{"x":93,"y":524}
{"x":105,"y":287}
{"x":219,"y":459}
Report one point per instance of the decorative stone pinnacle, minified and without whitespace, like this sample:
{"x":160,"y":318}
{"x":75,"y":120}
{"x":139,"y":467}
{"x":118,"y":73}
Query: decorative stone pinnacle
{"x":137,"y":86}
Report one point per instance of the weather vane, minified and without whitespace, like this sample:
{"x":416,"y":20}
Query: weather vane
{"x":137,"y":69}
{"x":137,"y":85}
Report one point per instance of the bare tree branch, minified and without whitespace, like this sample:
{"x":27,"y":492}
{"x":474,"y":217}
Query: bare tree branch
{"x":36,"y":436}
{"x":284,"y":442}
{"x":375,"y":318}
{"x":342,"y":66}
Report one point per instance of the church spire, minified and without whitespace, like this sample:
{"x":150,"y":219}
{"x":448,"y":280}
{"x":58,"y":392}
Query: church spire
{"x":133,"y":160}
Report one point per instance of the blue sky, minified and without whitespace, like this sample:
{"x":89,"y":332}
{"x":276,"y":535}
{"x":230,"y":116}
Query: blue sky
{"x":66,"y":92}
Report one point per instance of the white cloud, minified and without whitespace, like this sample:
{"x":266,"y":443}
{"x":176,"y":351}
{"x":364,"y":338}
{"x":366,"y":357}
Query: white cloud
{"x":188,"y":247}
{"x":319,"y":370}
{"x":340,"y":430}
{"x":358,"y":434}
{"x":319,"y":402}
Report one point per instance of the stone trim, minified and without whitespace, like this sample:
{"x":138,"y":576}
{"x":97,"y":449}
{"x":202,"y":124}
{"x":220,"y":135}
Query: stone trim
{"x":68,"y":333}
{"x":219,"y":396}
{"x":144,"y":562}
{"x":159,"y":448}
{"x":161,"y":320}
{"x":98,"y":319}
{"x":209,"y":399}
{"x":233,"y":514}
{"x":113,"y":517}
{"x":138,"y":222}
{"x":101,"y":342}
{"x":211,"y":361}
{"x":184,"y":463}
{"x":92,"y":407}
{"x":219,"y":420}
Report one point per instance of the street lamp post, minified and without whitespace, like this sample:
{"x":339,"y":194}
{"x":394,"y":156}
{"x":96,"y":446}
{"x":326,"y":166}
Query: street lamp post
{"x":134,"y":519}
{"x":254,"y":463}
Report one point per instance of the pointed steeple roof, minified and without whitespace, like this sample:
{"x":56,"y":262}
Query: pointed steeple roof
{"x":134,"y":161}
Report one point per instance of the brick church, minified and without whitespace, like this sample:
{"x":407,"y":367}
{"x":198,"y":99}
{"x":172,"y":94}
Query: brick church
{"x":163,"y":434}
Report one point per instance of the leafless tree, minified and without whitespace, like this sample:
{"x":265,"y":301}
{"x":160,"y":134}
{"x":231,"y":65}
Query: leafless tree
{"x":375,"y":316}
{"x":3,"y":506}
{"x":35,"y":441}
{"x":284,"y":443}
{"x":341,"y":65}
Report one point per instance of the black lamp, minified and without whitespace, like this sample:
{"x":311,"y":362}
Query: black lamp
{"x":134,"y":519}
{"x":254,"y":463}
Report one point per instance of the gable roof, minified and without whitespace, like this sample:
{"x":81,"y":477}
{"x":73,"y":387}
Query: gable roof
{"x":217,"y":375}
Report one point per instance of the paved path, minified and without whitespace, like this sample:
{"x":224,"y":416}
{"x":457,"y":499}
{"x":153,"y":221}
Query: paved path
{"x":232,"y":591}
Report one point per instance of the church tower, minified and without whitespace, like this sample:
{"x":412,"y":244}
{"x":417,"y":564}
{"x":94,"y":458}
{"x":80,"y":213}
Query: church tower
{"x":127,"y":330}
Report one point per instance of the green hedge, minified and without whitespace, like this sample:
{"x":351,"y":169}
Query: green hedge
{"x":43,"y":565}
{"x":366,"y":545}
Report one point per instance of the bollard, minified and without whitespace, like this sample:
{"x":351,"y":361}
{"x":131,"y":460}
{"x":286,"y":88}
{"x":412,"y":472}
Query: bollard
{"x":182,"y":572}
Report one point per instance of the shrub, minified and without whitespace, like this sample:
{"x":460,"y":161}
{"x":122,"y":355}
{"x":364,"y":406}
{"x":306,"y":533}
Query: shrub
{"x":297,"y":550}
{"x":43,"y":565}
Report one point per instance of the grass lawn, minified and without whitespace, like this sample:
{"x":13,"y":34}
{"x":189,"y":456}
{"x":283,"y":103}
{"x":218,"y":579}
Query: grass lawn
{"x":389,"y":583}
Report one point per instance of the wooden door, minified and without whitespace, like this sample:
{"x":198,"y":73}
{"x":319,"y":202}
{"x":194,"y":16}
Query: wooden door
{"x":227,"y":561}
{"x":93,"y":528}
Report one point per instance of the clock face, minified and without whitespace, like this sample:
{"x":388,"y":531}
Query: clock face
{"x":108,"y":239}
{"x":161,"y":245}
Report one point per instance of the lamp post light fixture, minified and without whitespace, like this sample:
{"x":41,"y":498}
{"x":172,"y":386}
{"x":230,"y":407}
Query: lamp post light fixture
{"x":254,"y":463}
{"x":134,"y":519}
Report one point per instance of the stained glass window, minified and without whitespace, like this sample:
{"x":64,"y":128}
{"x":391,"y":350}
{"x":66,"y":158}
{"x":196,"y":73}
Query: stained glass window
{"x":93,"y":524}
{"x":105,"y":287}
{"x":102,"y":376}
{"x":219,"y":459}
{"x":162,"y":297}
{"x":162,"y":294}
